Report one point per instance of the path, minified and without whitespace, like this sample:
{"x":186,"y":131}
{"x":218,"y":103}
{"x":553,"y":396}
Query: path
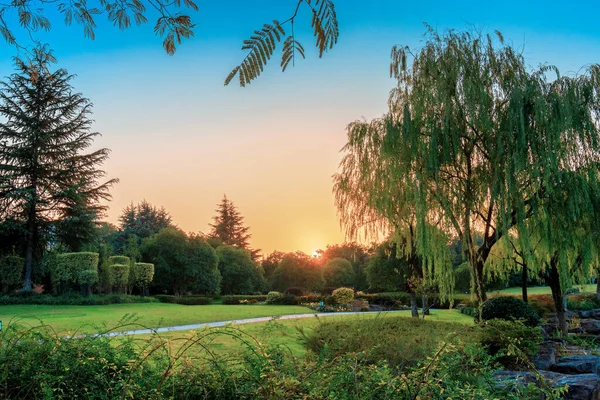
{"x":237,"y":322}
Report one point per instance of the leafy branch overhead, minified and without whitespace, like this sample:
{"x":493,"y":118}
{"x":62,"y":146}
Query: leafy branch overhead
{"x":263,"y":42}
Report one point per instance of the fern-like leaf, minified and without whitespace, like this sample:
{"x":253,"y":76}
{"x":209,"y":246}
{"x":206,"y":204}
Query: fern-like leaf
{"x":290,"y":47}
{"x":260,"y":46}
{"x":325,"y":24}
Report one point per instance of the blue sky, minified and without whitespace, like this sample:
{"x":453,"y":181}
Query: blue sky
{"x":180,"y":139}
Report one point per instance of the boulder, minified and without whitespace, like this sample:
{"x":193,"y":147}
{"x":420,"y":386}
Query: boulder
{"x":546,"y":355}
{"x":577,"y":364}
{"x":590,"y":326}
{"x":581,"y":387}
{"x":595,"y":313}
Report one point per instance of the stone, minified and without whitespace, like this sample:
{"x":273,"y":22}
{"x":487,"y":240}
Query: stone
{"x":581,"y":387}
{"x":595,"y":313}
{"x":590,"y":326}
{"x":577,"y":364}
{"x":546,"y":355}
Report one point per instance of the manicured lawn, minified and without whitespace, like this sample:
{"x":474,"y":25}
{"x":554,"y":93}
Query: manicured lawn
{"x":151,"y":315}
{"x":542,"y":290}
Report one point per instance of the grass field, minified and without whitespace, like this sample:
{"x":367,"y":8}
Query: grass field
{"x":542,"y":290}
{"x":86,"y":319}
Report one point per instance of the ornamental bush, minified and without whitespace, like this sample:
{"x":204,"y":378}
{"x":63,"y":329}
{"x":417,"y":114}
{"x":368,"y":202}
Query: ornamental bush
{"x":123,"y":260}
{"x":274,"y":297}
{"x":143,"y":274}
{"x":511,"y":342}
{"x":11,"y":267}
{"x":509,"y":308}
{"x":343,"y":295}
{"x":120,"y":275}
{"x":66,"y":268}
{"x":88,"y":277}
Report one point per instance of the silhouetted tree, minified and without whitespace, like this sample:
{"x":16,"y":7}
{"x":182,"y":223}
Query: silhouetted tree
{"x":229,"y":229}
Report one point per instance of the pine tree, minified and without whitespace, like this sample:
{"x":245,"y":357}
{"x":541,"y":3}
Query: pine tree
{"x":45,"y":129}
{"x":228,"y":227}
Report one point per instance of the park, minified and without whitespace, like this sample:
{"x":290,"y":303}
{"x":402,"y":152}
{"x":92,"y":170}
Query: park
{"x":422,"y":225}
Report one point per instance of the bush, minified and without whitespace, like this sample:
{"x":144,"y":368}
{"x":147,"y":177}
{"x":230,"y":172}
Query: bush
{"x":120,"y":275}
{"x":274,"y":297}
{"x":11,"y":268}
{"x":73,"y":299}
{"x":184,"y":300}
{"x":143,"y":274}
{"x":343,"y":295}
{"x":123,"y":260}
{"x":581,"y":302}
{"x":470,"y":311}
{"x":243,"y":299}
{"x":542,"y":304}
{"x":67,"y":266}
{"x":509,"y":308}
{"x":294,"y":291}
{"x":511,"y":342}
{"x":88,"y":277}
{"x":462,"y":278}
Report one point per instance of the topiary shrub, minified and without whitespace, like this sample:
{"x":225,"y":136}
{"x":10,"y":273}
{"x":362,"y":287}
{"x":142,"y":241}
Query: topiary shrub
{"x":86,"y":279}
{"x":123,"y":260}
{"x":120,"y":275}
{"x":143,"y":274}
{"x":343,"y":295}
{"x":511,"y":342}
{"x":509,"y":308}
{"x":67,"y":268}
{"x":11,"y":267}
{"x":274,"y":297}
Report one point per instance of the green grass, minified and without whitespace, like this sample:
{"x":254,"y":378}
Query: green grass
{"x":66,"y":319}
{"x":541,"y":290}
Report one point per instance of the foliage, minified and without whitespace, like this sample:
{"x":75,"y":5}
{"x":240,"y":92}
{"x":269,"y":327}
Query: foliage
{"x":462,"y":278}
{"x":474,"y":143}
{"x":88,"y":277}
{"x":338,"y":272}
{"x":143,"y":273}
{"x":386,"y":271}
{"x":270,"y":263}
{"x":274,"y":297}
{"x":182,"y":263}
{"x":141,"y":221}
{"x":228,"y":227}
{"x":73,"y":299}
{"x":580,"y":302}
{"x":124,"y":260}
{"x":244,"y":299}
{"x":45,"y":128}
{"x":511,"y":342}
{"x":294,"y":291}
{"x":263,"y":42}
{"x":240,"y":274}
{"x":357,"y":255}
{"x":120,"y":275}
{"x":68,"y":267}
{"x":297,"y":270}
{"x":11,"y":268}
{"x":343,"y":295}
{"x":185,"y":300}
{"x":509,"y":308}
{"x":542,"y":304}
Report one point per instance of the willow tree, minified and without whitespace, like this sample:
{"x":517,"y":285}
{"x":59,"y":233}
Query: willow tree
{"x":476,"y":137}
{"x":374,"y":195}
{"x":45,"y":131}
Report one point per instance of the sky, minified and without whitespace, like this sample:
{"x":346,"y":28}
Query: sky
{"x":181,"y":140}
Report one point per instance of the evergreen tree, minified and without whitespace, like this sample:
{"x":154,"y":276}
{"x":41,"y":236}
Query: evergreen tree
{"x":144,"y":220}
{"x":45,"y":129}
{"x":228,"y":227}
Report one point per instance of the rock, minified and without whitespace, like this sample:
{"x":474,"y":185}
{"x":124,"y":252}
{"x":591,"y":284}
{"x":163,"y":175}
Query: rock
{"x":577,"y":364}
{"x":576,"y":330}
{"x":581,"y":387}
{"x":546,"y":356}
{"x":590,"y":325}
{"x":595,"y":313}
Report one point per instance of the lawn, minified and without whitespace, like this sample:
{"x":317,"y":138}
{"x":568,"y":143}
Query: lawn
{"x":542,"y":290}
{"x":66,"y":319}
{"x":286,"y":333}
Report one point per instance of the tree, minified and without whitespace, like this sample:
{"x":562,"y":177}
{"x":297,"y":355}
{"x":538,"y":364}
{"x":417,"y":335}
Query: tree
{"x":46,"y":128}
{"x":182,"y":263}
{"x":240,"y":274}
{"x":143,"y":220}
{"x":472,"y":139}
{"x":338,"y":272}
{"x":297,"y":270}
{"x":356,"y":254}
{"x":270,"y":263}
{"x":228,"y":227}
{"x":77,"y":222}
{"x":174,"y":25}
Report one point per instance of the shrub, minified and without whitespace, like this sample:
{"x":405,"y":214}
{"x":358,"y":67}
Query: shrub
{"x":509,"y":308}
{"x":67,"y":266}
{"x":462,"y":278}
{"x":343,"y":295}
{"x":581,"y":302}
{"x":243,"y":299}
{"x":143,"y":274}
{"x":88,"y":277}
{"x":184,"y":300}
{"x":120,"y":275}
{"x":274,"y":297}
{"x":73,"y":299}
{"x":542,"y":304}
{"x":470,"y":311}
{"x":123,"y":260}
{"x":11,"y":267}
{"x":511,"y":342}
{"x":294,"y":291}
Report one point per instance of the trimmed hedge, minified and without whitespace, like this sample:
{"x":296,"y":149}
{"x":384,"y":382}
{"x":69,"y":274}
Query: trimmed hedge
{"x":112,"y":260}
{"x":68,"y":266}
{"x":88,"y":277}
{"x":184,"y":300}
{"x":74,"y":300}
{"x":143,"y":274}
{"x":509,"y":308}
{"x":11,"y":271}
{"x":244,"y":299}
{"x":343,"y":295}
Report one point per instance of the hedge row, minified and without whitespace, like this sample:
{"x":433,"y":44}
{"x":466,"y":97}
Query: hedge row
{"x":185,"y":300}
{"x":74,"y":300}
{"x":242,"y":299}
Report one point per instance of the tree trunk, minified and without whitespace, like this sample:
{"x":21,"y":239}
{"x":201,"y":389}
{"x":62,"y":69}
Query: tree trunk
{"x":557,"y":296}
{"x":425,"y":303}
{"x":598,"y":287}
{"x":479,"y":283}
{"x":524,"y":283}
{"x":413,"y":305}
{"x":30,"y":247}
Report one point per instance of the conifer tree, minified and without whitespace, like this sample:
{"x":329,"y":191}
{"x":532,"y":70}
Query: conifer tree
{"x":228,"y":227}
{"x":46,"y":127}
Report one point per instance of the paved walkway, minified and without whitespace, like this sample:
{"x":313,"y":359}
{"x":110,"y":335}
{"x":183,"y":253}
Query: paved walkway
{"x":238,"y":322}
